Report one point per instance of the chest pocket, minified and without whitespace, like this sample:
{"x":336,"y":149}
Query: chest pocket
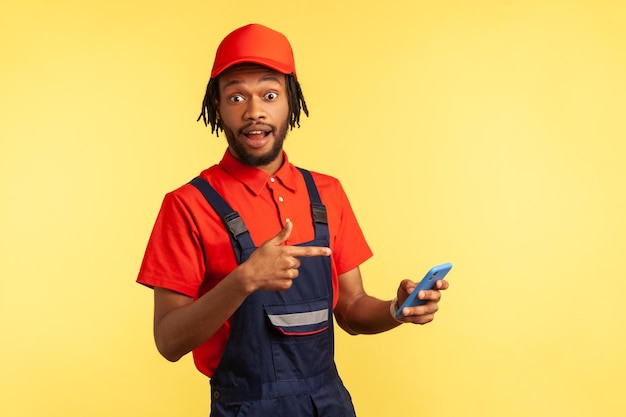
{"x":301,"y":338}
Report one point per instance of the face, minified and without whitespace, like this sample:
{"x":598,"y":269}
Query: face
{"x":254,"y":110}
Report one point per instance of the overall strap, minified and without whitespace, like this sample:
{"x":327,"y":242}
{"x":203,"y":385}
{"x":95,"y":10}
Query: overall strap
{"x":239,"y":234}
{"x":318,"y":210}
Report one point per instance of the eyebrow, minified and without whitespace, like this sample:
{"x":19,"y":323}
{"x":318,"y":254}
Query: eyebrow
{"x":265,"y":78}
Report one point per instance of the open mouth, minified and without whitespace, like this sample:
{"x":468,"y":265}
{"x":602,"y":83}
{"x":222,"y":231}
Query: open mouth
{"x":257,"y":134}
{"x":256,"y":129}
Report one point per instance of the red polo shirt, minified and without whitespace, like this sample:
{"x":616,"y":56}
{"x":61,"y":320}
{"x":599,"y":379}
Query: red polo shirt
{"x":190,"y":251}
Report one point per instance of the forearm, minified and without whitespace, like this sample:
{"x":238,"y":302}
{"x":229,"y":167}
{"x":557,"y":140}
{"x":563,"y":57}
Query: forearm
{"x":367,"y":315}
{"x":187,"y":325}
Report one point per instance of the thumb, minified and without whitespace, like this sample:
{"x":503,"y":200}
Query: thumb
{"x":284,"y":234}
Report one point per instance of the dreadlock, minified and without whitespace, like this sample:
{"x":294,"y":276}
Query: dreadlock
{"x":211,"y":97}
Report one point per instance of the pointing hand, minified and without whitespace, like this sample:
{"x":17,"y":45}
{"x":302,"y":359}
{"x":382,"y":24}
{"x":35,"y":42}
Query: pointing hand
{"x":273,"y":266}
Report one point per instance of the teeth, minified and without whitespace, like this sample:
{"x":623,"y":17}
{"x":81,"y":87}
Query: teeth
{"x":255,"y":132}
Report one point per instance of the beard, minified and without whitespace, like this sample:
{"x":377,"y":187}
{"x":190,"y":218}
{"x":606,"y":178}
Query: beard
{"x":257,"y":160}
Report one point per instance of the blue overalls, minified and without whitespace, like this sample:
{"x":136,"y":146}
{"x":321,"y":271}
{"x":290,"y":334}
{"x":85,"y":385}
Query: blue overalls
{"x":279,"y":359}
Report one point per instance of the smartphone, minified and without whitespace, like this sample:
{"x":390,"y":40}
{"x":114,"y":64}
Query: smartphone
{"x":427,"y":283}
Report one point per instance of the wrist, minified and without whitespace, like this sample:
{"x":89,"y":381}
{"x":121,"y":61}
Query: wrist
{"x":393,"y":309}
{"x":243,"y":279}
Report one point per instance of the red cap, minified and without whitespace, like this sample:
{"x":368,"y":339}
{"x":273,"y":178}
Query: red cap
{"x":255,"y":44}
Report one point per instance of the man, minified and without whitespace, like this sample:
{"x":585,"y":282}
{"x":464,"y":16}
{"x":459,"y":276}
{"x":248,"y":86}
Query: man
{"x":250,"y":260}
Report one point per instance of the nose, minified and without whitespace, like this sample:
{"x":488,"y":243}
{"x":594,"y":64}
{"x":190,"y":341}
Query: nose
{"x":255,"y":109}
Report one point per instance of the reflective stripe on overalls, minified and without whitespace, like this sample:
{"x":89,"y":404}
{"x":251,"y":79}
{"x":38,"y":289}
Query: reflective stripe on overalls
{"x":279,"y":357}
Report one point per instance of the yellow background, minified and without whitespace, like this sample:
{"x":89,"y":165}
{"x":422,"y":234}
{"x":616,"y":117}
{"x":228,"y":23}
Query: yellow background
{"x":489,"y":134}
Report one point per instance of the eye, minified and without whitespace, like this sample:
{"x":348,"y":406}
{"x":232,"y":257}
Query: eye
{"x":271,"y":96}
{"x":236,"y":99}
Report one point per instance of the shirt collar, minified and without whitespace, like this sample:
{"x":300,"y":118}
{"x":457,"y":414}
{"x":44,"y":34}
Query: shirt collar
{"x":255,"y":179}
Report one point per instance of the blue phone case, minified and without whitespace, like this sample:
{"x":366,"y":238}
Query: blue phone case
{"x":428,"y":282}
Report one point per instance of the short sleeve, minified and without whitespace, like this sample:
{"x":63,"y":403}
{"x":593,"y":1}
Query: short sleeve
{"x":174,"y":258}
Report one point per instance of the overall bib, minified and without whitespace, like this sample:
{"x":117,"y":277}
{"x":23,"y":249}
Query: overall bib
{"x":279,"y":359}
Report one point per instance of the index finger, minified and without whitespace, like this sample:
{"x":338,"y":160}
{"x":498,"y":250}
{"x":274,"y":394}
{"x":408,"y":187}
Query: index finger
{"x":429,"y":295}
{"x":308,"y":251}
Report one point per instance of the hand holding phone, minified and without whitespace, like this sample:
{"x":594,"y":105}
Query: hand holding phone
{"x":435,"y":274}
